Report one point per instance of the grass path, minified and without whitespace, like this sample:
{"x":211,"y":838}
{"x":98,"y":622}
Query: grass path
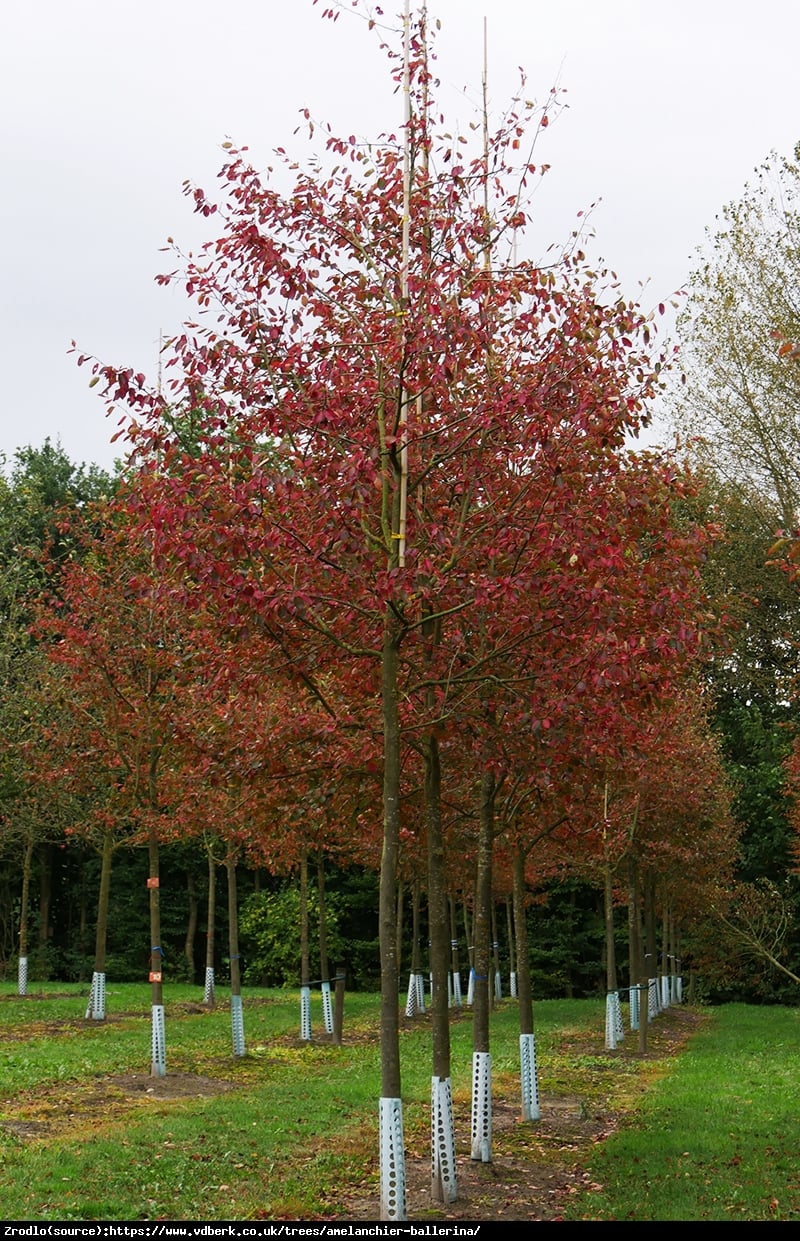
{"x":719,"y":1138}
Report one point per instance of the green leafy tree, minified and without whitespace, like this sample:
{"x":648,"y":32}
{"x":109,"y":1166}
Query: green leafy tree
{"x":41,"y":485}
{"x":741,"y":392}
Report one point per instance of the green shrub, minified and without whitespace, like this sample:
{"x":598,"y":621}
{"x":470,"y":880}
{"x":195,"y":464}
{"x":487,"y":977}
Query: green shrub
{"x":269,"y":936}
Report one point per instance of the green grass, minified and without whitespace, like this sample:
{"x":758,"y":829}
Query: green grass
{"x":299,"y":1121}
{"x":709,"y":1134}
{"x":718,"y":1139}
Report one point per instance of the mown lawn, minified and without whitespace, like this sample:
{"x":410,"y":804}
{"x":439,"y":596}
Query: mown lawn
{"x":289,"y":1131}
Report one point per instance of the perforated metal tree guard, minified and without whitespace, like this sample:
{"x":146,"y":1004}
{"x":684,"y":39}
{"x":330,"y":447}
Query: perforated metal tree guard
{"x":96,"y":1008}
{"x":652,"y":1000}
{"x":455,"y":983}
{"x":327,"y":1007}
{"x":392,"y":1160}
{"x":528,"y":1076}
{"x":512,"y":984}
{"x":498,"y":986}
{"x":612,"y":1001}
{"x":305,"y":1013}
{"x":158,"y":1058}
{"x":664,"y":991}
{"x":237,"y":1025}
{"x":471,"y":987}
{"x":634,"y":1008}
{"x":22,"y":976}
{"x":618,"y":1019}
{"x":415,"y":1001}
{"x":481,"y":1106}
{"x":209,"y":993}
{"x":678,"y":988}
{"x":444,"y":1184}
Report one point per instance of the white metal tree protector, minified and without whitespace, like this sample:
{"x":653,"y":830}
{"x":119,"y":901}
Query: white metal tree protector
{"x":327,"y":1007}
{"x":634,"y":1014}
{"x":96,"y":1008}
{"x":612,"y":1000}
{"x":22,"y":976}
{"x":158,"y":1060}
{"x":471,"y":987}
{"x":618,"y":1019}
{"x":209,"y":993}
{"x":455,"y":983}
{"x":664,"y":991}
{"x":392,"y":1159}
{"x":481,"y":1106}
{"x":305,"y":1013}
{"x":237,"y":1025}
{"x":512,"y":984}
{"x":444,"y":1183}
{"x":415,"y":1001}
{"x":678,"y":988}
{"x":529,"y":1080}
{"x":653,"y":1008}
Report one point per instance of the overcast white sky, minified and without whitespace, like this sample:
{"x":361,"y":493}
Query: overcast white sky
{"x":107,"y":106}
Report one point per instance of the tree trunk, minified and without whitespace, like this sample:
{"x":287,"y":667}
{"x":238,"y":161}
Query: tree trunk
{"x":512,"y":961}
{"x":416,"y":992}
{"x":191,"y":926}
{"x":237,"y":1016}
{"x":651,"y":933}
{"x":455,"y":967}
{"x":524,"y":988}
{"x":614,"y":1030}
{"x":481,"y":1060}
{"x":324,"y":966}
{"x":400,"y":905}
{"x":638,"y":968}
{"x":24,"y":903}
{"x":45,"y":902}
{"x":210,"y":995}
{"x":608,"y":911}
{"x":97,"y":1002}
{"x":527,"y":1047}
{"x":664,"y":967}
{"x":444,"y":1186}
{"x":158,"y":1059}
{"x":495,"y":993}
{"x":469,"y":928}
{"x":392,"y":1156}
{"x":305,"y":971}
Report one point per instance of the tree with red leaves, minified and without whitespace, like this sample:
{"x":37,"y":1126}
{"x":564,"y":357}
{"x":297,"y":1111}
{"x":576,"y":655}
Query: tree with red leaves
{"x":121,"y":639}
{"x":407,"y":468}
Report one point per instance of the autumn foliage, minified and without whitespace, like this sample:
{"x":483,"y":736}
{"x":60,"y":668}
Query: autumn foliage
{"x":388,"y":485}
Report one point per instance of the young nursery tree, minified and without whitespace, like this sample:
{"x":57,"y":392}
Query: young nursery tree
{"x":401,"y":437}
